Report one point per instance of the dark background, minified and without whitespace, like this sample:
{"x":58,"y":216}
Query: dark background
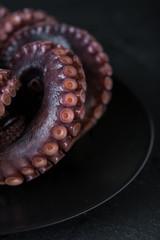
{"x":129,"y":33}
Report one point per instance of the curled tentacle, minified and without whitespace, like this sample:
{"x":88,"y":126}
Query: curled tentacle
{"x":45,"y":102}
{"x":95,"y":63}
{"x":50,"y":125}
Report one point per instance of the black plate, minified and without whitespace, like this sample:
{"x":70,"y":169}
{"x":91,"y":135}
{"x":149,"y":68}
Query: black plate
{"x":99,"y":166}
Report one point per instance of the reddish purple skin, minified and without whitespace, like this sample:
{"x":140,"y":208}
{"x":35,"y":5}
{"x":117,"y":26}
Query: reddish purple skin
{"x":48,"y":60}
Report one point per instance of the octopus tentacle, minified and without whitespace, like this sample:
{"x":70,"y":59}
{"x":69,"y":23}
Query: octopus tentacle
{"x":12,"y":22}
{"x":55,"y":106}
{"x":54,"y":119}
{"x":95,"y":62}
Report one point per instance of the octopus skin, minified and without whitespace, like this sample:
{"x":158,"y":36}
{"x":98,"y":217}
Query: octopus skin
{"x":55,"y":83}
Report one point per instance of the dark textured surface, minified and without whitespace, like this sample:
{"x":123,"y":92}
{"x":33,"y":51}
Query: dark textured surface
{"x":128,"y":30}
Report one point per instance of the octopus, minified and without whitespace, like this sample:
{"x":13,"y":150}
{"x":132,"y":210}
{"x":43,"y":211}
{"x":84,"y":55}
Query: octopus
{"x":55,"y":84}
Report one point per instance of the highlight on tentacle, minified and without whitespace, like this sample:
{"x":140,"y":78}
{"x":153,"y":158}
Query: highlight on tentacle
{"x":45,"y":168}
{"x":57,"y":157}
{"x":80,"y":112}
{"x":30,"y":176}
{"x":56,"y":133}
{"x":81,"y":95}
{"x":67,"y":143}
{"x":74,"y":128}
